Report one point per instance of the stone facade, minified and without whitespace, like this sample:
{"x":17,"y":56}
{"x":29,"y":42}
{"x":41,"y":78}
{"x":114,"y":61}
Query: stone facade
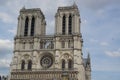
{"x":38,"y":56}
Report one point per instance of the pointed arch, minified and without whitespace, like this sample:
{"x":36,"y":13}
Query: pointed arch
{"x":26,"y":26}
{"x":63,"y":24}
{"x":70,"y":64}
{"x":70,"y":25}
{"x":23,"y":65}
{"x":32,"y":26}
{"x":63,"y":64}
{"x":29,"y":65}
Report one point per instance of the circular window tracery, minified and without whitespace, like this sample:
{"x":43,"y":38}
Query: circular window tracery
{"x":46,"y":61}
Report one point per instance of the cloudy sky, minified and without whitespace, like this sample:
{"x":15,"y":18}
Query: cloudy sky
{"x":100,"y":28}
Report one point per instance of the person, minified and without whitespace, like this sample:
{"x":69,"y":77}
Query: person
{"x":0,"y":77}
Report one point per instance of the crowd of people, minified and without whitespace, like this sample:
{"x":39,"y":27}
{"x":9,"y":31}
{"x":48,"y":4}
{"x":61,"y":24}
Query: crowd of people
{"x":3,"y":77}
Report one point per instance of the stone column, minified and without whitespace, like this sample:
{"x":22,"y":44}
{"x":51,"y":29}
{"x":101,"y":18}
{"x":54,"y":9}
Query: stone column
{"x":72,"y":23}
{"x":29,"y":25}
{"x":66,"y":25}
{"x":57,"y":53}
{"x":75,"y":24}
{"x":66,"y":64}
{"x":79,"y":25}
{"x":57,"y":43}
{"x":37,"y":25}
{"x":36,"y":44}
{"x":19,"y":26}
{"x":34,"y":66}
{"x":66,"y":44}
{"x":75,"y":42}
{"x":56,"y":23}
{"x":60,"y":24}
{"x":43,"y":27}
{"x":22,"y":25}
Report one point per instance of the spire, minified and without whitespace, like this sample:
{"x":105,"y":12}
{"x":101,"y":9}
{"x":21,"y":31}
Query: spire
{"x":23,"y":8}
{"x":74,"y":4}
{"x":88,"y":55}
{"x":88,"y":62}
{"x":88,"y":58}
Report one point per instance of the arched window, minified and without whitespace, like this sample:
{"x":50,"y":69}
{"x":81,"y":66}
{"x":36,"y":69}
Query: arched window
{"x":63,"y":24}
{"x":26,"y":27}
{"x":70,"y":64}
{"x":32,"y":26}
{"x":29,"y":65}
{"x":63,"y":64}
{"x":23,"y":65}
{"x":70,"y":25}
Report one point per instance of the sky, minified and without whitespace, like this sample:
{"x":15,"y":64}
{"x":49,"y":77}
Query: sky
{"x":100,"y":28}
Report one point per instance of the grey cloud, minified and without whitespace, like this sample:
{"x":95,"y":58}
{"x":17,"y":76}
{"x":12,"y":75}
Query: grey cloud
{"x":3,"y":2}
{"x":6,"y":18}
{"x":113,"y":53}
{"x":6,"y":47}
{"x":4,"y":71}
{"x":97,"y":4}
{"x":5,"y":52}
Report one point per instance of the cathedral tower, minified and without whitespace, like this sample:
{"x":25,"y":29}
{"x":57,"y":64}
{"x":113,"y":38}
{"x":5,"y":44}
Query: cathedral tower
{"x":69,"y":39}
{"x":68,"y":20}
{"x":38,"y":56}
{"x":31,"y":22}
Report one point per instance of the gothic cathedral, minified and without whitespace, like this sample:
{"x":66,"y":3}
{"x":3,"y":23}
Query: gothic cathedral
{"x":38,"y":56}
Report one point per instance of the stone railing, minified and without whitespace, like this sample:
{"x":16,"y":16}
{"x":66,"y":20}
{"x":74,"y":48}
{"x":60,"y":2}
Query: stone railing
{"x":43,"y":74}
{"x":46,"y":70}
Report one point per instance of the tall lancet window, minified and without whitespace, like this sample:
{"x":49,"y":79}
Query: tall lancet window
{"x":63,"y":24}
{"x":23,"y":65}
{"x":63,"y":64}
{"x":70,"y":25}
{"x":32,"y":26}
{"x":70,"y":64}
{"x":26,"y":26}
{"x":29,"y":65}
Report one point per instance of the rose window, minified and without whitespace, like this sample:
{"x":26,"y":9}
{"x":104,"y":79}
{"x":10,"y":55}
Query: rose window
{"x":46,"y":61}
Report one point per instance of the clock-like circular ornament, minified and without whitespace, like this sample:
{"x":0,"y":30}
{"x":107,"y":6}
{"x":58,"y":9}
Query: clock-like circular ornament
{"x":46,"y":61}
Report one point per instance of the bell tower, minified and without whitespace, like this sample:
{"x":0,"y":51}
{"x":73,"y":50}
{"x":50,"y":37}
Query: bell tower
{"x":31,"y":25}
{"x":67,"y":21}
{"x":31,"y":22}
{"x":69,"y":41}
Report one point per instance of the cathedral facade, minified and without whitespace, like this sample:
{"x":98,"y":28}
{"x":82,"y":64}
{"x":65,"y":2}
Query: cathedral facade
{"x":38,"y":56}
